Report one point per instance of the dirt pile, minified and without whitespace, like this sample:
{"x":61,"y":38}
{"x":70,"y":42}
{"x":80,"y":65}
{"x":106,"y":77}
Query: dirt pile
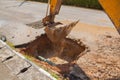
{"x":103,"y":63}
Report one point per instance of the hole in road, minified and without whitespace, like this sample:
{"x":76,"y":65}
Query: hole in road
{"x":43,"y":47}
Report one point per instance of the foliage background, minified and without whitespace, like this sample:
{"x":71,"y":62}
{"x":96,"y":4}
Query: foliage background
{"x":80,"y":3}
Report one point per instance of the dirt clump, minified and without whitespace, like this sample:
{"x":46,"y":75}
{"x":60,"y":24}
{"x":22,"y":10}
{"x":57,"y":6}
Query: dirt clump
{"x":104,"y":62}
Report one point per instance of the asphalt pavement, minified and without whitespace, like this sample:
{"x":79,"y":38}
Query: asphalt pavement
{"x":34,"y":11}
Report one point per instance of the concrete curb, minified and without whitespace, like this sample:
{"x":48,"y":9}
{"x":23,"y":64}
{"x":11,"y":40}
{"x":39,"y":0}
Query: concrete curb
{"x":34,"y":65}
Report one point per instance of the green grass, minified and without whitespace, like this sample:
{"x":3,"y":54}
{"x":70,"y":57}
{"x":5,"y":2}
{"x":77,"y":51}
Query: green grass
{"x":10,"y":44}
{"x":80,"y":3}
{"x":55,"y":76}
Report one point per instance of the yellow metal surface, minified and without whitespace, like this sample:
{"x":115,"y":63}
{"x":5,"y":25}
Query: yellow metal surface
{"x":112,"y":8}
{"x":53,"y":4}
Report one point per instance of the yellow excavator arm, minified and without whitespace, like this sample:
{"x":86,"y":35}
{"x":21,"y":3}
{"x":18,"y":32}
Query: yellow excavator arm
{"x":55,"y":6}
{"x":111,"y":7}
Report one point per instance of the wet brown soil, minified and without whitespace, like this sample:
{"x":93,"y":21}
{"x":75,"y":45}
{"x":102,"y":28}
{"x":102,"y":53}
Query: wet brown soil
{"x":68,"y":51}
{"x":63,"y":54}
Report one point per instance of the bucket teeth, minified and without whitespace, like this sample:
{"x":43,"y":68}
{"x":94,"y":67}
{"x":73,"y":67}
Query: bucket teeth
{"x":59,"y":32}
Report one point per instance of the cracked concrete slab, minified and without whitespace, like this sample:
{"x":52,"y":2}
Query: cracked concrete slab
{"x":16,"y":64}
{"x":5,"y":73}
{"x":5,"y":52}
{"x":10,"y":68}
{"x":33,"y":74}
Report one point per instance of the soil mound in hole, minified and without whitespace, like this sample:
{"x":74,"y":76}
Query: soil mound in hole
{"x":64,"y":51}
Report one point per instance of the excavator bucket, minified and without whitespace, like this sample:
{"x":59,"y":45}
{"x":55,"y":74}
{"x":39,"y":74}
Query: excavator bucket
{"x":112,"y":8}
{"x":59,"y":32}
{"x":55,"y":32}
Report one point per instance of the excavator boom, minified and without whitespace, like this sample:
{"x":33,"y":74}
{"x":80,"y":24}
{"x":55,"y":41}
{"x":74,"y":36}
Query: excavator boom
{"x":112,"y":8}
{"x":56,"y":31}
{"x":55,"y":6}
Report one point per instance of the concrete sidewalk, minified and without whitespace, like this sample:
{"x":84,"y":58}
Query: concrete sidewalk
{"x":10,"y":68}
{"x":5,"y":73}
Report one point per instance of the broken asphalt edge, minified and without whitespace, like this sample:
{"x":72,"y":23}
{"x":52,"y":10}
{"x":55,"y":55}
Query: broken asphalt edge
{"x":21,"y":56}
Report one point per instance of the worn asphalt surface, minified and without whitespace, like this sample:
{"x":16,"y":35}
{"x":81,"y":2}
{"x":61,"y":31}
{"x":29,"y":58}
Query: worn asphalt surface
{"x":34,"y":11}
{"x":14,"y":17}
